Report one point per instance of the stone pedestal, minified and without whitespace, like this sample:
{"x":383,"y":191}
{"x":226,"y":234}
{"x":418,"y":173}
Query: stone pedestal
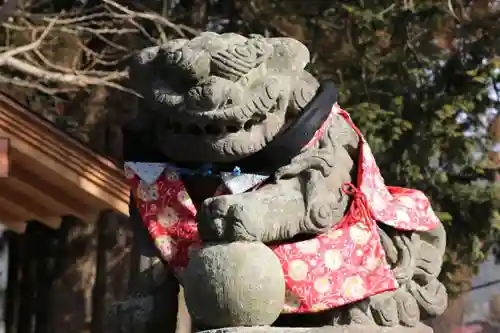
{"x":420,"y":328}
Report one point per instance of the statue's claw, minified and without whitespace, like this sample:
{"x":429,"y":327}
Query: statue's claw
{"x":224,"y":218}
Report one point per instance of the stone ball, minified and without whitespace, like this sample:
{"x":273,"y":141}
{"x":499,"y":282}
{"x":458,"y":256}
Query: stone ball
{"x":234,"y":284}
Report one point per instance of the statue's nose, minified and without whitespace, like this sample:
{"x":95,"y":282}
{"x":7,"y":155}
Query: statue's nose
{"x":213,"y":93}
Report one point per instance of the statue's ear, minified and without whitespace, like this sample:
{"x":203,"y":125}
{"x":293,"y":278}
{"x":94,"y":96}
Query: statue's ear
{"x":289,"y":55}
{"x":303,"y":91}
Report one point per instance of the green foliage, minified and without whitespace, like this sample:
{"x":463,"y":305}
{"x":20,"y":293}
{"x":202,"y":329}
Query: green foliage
{"x":404,"y":74}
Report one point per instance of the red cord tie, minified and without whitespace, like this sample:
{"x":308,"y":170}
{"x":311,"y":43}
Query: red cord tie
{"x":359,"y":211}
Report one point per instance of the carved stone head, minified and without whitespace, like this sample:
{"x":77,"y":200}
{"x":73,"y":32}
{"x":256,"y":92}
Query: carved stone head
{"x":219,"y":98}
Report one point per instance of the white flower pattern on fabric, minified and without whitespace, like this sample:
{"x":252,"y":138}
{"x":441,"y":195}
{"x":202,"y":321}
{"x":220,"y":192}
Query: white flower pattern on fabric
{"x":333,"y":259}
{"x":147,"y":192}
{"x":354,"y":288}
{"x":309,"y":246}
{"x":378,"y":202}
{"x":167,"y":247}
{"x":402,"y":216}
{"x":393,"y":206}
{"x":372,"y":262}
{"x":153,"y":192}
{"x":298,"y":270}
{"x":407,"y":202}
{"x":322,"y":285}
{"x":168,"y":216}
{"x":129,"y":172}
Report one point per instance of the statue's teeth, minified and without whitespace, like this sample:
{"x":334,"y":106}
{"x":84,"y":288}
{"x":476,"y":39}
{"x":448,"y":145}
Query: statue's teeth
{"x":249,"y":124}
{"x":259,"y":117}
{"x":195,"y":129}
{"x":232,"y":129}
{"x":214,"y":129}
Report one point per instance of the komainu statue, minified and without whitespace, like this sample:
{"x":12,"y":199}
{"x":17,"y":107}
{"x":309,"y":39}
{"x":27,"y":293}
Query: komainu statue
{"x":265,"y":199}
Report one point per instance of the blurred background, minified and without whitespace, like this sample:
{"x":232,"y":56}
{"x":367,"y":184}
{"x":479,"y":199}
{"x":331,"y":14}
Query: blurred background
{"x":420,"y":78}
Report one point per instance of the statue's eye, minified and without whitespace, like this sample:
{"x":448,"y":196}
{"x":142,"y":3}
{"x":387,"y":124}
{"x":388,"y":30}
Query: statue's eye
{"x":207,"y":91}
{"x":173,"y":57}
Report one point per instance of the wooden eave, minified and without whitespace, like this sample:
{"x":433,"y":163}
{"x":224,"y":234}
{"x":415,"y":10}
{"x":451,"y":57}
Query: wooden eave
{"x":45,"y":174}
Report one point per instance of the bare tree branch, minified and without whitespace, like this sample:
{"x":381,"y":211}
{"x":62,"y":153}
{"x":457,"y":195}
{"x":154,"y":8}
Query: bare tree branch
{"x":33,"y":85}
{"x":25,"y":48}
{"x":77,"y":80}
{"x":97,"y":42}
{"x":154,"y":18}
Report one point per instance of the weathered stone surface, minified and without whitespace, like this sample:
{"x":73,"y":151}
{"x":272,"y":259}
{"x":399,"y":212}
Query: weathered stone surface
{"x":214,"y":276}
{"x":221,"y":98}
{"x":421,"y":328}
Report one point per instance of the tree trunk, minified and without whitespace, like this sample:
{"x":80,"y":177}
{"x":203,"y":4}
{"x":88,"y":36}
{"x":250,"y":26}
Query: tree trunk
{"x":69,"y":295}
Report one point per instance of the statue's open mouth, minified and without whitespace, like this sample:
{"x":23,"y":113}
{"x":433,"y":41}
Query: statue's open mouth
{"x":218,"y":141}
{"x":216,"y":124}
{"x":224,"y":121}
{"x":225,"y":117}
{"x":215,"y":128}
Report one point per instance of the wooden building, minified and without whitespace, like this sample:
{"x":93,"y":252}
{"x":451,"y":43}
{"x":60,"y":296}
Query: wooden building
{"x":73,"y":265}
{"x":46,"y":174}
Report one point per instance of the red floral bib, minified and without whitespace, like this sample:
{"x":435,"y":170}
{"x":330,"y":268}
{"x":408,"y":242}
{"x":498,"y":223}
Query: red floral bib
{"x":344,"y":265}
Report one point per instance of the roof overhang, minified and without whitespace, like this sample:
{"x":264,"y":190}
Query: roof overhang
{"x":45,"y":174}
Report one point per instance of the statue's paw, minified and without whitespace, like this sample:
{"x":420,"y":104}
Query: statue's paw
{"x":225,"y":218}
